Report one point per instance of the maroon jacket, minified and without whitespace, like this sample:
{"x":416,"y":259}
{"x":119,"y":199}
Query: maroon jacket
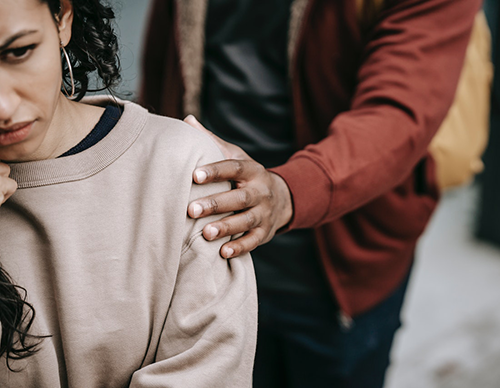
{"x":366,"y":106}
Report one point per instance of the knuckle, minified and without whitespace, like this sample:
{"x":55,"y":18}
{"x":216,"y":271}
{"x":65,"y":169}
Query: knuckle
{"x":250,"y":220}
{"x":244,"y":198}
{"x":256,"y":193}
{"x":213,"y":205}
{"x":213,"y":172}
{"x":239,"y":168}
{"x":255,"y":241}
{"x":264,"y":234}
{"x":267,"y":239}
{"x":269,"y":195}
{"x":249,"y":242}
{"x":224,"y":228}
{"x":260,"y":168}
{"x":244,"y":247}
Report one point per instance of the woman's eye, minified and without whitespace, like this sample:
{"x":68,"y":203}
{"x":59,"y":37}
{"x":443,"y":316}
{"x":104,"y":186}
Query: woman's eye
{"x":20,"y":52}
{"x":17,"y":54}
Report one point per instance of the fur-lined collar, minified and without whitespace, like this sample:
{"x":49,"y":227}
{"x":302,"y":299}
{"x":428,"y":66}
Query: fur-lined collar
{"x":191,"y":15}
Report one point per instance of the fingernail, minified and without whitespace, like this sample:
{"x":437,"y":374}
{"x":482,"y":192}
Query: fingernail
{"x":200,"y":176}
{"x":228,"y":252}
{"x":197,"y":209}
{"x":212,"y":232}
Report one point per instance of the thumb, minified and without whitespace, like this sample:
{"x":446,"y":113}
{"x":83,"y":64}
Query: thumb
{"x":191,"y":120}
{"x":230,"y":151}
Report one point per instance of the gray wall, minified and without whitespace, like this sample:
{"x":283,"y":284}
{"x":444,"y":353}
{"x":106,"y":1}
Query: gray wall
{"x":131,"y":20}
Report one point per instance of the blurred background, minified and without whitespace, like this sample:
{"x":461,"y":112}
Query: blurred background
{"x":451,"y":332}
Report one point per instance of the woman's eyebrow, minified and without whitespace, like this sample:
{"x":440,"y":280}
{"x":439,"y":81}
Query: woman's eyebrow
{"x":14,"y":37}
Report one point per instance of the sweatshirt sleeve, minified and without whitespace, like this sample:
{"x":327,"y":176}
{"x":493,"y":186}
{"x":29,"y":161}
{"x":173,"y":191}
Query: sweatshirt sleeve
{"x":406,"y":84}
{"x":210,"y":332}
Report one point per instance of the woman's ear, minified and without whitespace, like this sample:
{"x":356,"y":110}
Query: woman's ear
{"x":65,"y":21}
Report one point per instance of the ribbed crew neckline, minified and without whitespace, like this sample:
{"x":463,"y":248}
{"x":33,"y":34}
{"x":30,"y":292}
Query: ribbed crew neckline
{"x":90,"y":161}
{"x":104,"y":126}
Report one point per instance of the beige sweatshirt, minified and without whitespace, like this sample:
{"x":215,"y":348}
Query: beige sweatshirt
{"x":122,"y":280}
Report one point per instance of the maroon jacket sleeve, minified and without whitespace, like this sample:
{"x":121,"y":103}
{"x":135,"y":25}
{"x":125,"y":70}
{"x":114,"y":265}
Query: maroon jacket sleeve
{"x":407,"y":82}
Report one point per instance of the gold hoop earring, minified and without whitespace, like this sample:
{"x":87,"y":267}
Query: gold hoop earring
{"x":70,"y":69}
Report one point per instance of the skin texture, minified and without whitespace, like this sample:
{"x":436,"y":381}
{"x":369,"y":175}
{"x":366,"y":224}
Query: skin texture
{"x":261,"y":199}
{"x":7,"y":186}
{"x":30,"y":86}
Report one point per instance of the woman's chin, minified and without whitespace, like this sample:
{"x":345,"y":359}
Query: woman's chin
{"x":16,"y":154}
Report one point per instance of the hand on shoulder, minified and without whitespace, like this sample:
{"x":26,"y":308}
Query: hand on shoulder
{"x":260,"y":199}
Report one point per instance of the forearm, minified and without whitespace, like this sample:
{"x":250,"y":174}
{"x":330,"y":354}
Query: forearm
{"x":406,"y":85}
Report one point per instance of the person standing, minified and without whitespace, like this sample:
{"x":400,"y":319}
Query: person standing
{"x":325,"y":115}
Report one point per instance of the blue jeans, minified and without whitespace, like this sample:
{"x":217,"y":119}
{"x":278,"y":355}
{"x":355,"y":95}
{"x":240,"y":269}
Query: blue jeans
{"x":301,"y":343}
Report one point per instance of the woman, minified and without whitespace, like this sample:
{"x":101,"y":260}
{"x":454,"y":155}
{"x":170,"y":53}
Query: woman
{"x":119,"y":286}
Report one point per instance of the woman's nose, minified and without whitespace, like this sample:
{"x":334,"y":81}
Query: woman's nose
{"x":9,"y":99}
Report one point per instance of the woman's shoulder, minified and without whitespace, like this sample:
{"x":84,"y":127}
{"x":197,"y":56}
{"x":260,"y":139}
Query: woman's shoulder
{"x":160,"y":132}
{"x":167,"y":134}
{"x":178,"y":130}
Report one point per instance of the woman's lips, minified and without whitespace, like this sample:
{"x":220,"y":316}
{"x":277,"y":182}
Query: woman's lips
{"x":15,"y":134}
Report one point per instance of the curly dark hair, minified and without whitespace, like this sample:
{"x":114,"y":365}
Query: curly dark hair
{"x":93,"y":48}
{"x":16,"y":317}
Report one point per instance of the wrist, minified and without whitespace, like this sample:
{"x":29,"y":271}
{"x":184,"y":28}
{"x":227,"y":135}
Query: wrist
{"x":283,"y":201}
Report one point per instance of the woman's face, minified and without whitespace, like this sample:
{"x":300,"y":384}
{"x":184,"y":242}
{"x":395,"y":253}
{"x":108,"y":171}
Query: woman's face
{"x":30,"y":76}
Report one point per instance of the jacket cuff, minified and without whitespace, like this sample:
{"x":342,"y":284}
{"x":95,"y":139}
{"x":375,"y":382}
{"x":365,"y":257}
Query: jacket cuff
{"x":311,"y":191}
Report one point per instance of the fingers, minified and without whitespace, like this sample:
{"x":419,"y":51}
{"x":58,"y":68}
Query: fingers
{"x":227,"y":170}
{"x":7,"y":186}
{"x":230,"y":151}
{"x":244,"y":244}
{"x":232,"y":225}
{"x":191,"y":120}
{"x":229,"y":201}
{"x":4,"y":170}
{"x":223,"y":145}
{"x":261,"y":198}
